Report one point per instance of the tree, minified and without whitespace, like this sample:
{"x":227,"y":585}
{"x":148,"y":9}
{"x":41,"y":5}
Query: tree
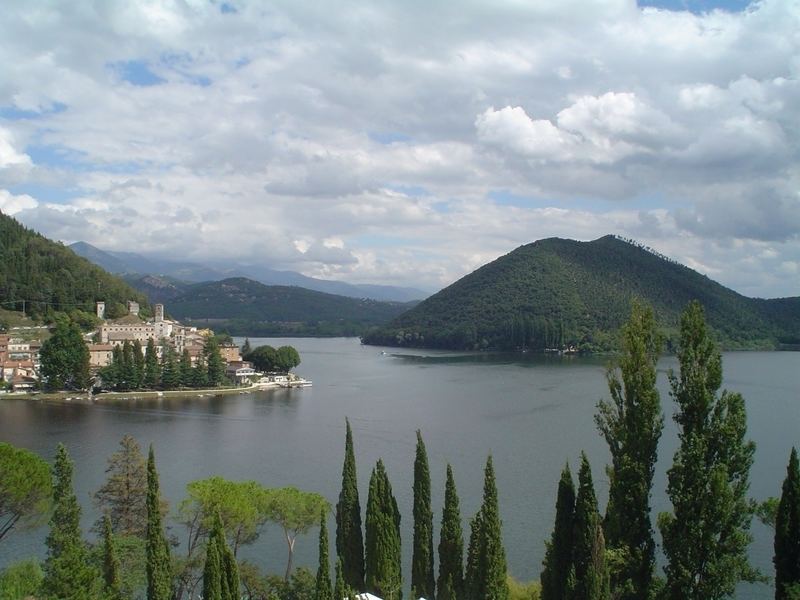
{"x":171,"y":373}
{"x":123,"y":496}
{"x":138,"y":365}
{"x":706,"y":538}
{"x":287,"y":358}
{"x":185,"y":370}
{"x":68,"y":574}
{"x":159,"y":577}
{"x":243,"y":506}
{"x":65,"y":359}
{"x":451,"y":544}
{"x":296,"y":512}
{"x":382,"y":548}
{"x":349,"y":538}
{"x":486,"y":558}
{"x":324,"y":591}
{"x":25,"y":489}
{"x":558,"y":563}
{"x":264,"y":358}
{"x":212,"y":573}
{"x":214,"y":362}
{"x":422,"y":581}
{"x":340,"y":589}
{"x":220,"y":573}
{"x":787,"y":532}
{"x":111,"y":576}
{"x":129,"y":367}
{"x":152,"y":371}
{"x":591,"y":572}
{"x":246,"y":349}
{"x":631,"y":425}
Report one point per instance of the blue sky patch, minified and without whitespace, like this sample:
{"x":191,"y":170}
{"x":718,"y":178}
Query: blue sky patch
{"x":697,"y":6}
{"x":227,"y":9}
{"x":46,"y":193}
{"x":388,"y":137}
{"x":137,"y":72}
{"x":12,"y":113}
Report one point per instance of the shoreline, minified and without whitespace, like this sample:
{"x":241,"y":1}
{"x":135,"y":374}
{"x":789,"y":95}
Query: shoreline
{"x":84,"y":398}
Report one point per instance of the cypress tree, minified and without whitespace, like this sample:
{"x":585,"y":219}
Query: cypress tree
{"x":631,"y":425}
{"x":422,"y":581}
{"x":486,"y":558}
{"x":212,"y":572}
{"x":451,"y":544}
{"x":138,"y":365}
{"x":185,"y":371}
{"x":170,"y":372}
{"x":558,"y":556}
{"x":110,"y":562}
{"x":787,"y":533}
{"x":128,"y":378}
{"x":706,"y":539}
{"x":382,"y":549}
{"x":68,"y":574}
{"x":158,"y":567}
{"x":200,"y":373}
{"x":152,"y":373}
{"x":324,"y":591}
{"x":246,"y":349}
{"x":349,"y":539}
{"x":591,"y":574}
{"x":214,"y":364}
{"x":341,"y":591}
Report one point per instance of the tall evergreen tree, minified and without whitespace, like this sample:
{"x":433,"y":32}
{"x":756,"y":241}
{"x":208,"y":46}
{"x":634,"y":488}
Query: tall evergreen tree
{"x":158,"y":567}
{"x":422,"y":580}
{"x":152,"y":370}
{"x":68,"y":574}
{"x":123,"y":496}
{"x":171,"y":373}
{"x":128,"y":370}
{"x":558,"y":562}
{"x":631,"y":425}
{"x":246,"y":349}
{"x":212,"y":572}
{"x":111,"y":576}
{"x":591,"y":572}
{"x":214,"y":364}
{"x":185,"y":371}
{"x":341,"y":591}
{"x":200,"y":373}
{"x":138,"y":365}
{"x":324,"y":591}
{"x":486,"y":561}
{"x":705,"y":539}
{"x":787,"y":533}
{"x":349,"y":538}
{"x":382,"y":548}
{"x":451,"y":545}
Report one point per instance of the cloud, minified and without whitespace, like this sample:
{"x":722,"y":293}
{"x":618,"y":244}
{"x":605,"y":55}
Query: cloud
{"x":270,"y":129}
{"x":11,"y":204}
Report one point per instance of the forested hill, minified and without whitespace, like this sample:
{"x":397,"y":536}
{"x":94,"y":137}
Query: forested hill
{"x":248,"y":307}
{"x":50,"y":277}
{"x":555,"y":293}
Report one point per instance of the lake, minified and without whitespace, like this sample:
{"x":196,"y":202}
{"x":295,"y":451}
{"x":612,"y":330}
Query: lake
{"x":531,"y":412}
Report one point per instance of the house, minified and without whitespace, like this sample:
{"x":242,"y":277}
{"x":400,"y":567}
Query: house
{"x":100,"y":355}
{"x":239,"y":371}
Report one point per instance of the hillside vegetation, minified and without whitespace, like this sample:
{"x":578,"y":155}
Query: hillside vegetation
{"x":557,"y":293}
{"x":50,"y":278}
{"x":246,"y":307}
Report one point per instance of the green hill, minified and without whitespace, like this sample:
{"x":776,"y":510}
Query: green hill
{"x":556,"y":293}
{"x":44,"y":277}
{"x":246,"y":307}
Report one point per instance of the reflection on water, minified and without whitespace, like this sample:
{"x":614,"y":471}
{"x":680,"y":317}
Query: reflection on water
{"x":532,"y":412}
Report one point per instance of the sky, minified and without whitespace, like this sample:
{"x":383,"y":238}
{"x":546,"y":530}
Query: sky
{"x":408,"y":142}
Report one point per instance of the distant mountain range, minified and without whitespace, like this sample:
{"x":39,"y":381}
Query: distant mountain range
{"x":558,"y":293}
{"x":131,"y":264}
{"x":242,"y":306}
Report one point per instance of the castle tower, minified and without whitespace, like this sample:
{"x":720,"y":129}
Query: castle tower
{"x":133,"y":308}
{"x":159,"y":313}
{"x":100,"y":309}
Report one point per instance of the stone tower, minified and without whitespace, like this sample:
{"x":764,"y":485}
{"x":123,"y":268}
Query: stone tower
{"x":159,"y":313}
{"x":133,"y":307}
{"x":100,"y":309}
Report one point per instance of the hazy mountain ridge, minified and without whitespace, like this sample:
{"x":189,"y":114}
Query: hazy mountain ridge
{"x":557,"y":292}
{"x":130,"y":263}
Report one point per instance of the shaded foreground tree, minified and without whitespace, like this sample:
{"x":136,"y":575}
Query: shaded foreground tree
{"x":159,"y":570}
{"x":220,"y":573}
{"x":68,"y":573}
{"x":591,"y":572}
{"x":25,"y":489}
{"x":631,"y":423}
{"x":65,"y":358}
{"x":382,"y":549}
{"x":324,"y":590}
{"x":486,"y":558}
{"x":296,"y":512}
{"x":123,"y":496}
{"x":558,"y":572}
{"x":787,"y":535}
{"x":706,"y":537}
{"x":422,"y":581}
{"x":349,"y":538}
{"x":451,"y":544}
{"x":111,"y":566}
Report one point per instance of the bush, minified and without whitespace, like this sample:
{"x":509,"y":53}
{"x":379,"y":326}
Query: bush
{"x":523,"y":591}
{"x":20,"y":580}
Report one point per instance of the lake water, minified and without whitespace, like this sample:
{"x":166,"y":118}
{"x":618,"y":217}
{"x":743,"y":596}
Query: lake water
{"x":531,"y":412}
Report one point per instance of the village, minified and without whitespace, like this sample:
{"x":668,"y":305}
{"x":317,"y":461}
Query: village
{"x":20,"y":347}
